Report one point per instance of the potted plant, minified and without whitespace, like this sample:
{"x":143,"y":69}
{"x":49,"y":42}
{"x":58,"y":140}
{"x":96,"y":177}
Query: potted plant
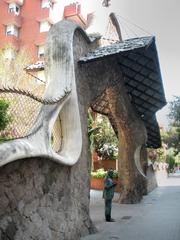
{"x":103,"y":141}
{"x":97,"y":178}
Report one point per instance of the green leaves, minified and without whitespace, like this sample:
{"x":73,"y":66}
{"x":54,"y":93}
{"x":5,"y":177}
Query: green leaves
{"x":102,"y":137}
{"x":101,"y":173}
{"x":4,"y":116}
{"x":174,"y":114}
{"x":172,"y":136}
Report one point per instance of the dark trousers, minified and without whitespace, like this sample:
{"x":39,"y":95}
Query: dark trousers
{"x":108,"y":205}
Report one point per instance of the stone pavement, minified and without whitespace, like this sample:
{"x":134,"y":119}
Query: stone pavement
{"x":157,"y":217}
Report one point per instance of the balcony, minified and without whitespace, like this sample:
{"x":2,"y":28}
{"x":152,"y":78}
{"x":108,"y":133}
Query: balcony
{"x":12,"y":18}
{"x":18,"y":2}
{"x":45,"y":14}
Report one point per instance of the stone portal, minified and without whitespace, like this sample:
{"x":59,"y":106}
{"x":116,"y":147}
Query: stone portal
{"x":45,"y":195}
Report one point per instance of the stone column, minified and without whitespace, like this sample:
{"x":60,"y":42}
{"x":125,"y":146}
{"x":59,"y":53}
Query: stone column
{"x":131,"y":134}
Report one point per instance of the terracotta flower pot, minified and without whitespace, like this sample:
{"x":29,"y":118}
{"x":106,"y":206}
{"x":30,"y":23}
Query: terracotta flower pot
{"x":98,"y":183}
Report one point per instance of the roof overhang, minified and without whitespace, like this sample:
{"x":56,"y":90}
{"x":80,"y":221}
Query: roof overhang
{"x":138,"y":61}
{"x":35,"y":67}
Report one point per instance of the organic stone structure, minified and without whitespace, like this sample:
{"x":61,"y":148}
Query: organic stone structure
{"x":41,"y":199}
{"x":48,"y":198}
{"x":129,"y":92}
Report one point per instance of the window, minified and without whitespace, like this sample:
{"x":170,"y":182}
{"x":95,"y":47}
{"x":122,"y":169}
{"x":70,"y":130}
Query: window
{"x":14,"y":8}
{"x":46,"y":3}
{"x":12,"y":30}
{"x":41,"y":51}
{"x":44,"y":26}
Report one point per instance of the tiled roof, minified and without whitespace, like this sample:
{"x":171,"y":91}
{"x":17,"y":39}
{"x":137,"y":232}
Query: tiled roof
{"x":138,"y":61}
{"x":116,"y":48}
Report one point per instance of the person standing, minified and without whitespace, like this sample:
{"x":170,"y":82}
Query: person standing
{"x":108,"y":194}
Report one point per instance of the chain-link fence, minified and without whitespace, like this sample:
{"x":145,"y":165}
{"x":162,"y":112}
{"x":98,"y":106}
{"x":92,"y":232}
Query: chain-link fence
{"x":22,"y":112}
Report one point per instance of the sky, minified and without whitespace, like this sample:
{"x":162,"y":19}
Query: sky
{"x":160,"y":18}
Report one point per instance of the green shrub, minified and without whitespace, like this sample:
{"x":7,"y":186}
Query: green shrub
{"x":170,"y":159}
{"x":4,"y":116}
{"x":101,"y":173}
{"x":115,"y":174}
{"x":102,"y":138}
{"x":5,"y":119}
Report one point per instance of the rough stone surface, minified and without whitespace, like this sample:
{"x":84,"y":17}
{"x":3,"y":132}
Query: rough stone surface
{"x":137,"y":59}
{"x":131,"y":129}
{"x":151,"y":179}
{"x":43,"y":200}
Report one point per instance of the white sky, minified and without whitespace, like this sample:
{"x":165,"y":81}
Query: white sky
{"x":159,"y":17}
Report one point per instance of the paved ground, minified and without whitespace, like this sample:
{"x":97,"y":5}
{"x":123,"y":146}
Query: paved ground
{"x":157,"y":217}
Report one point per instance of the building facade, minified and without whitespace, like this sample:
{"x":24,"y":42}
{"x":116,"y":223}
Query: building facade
{"x":25,"y":23}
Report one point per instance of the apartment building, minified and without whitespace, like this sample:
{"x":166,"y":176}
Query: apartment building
{"x":25,"y":23}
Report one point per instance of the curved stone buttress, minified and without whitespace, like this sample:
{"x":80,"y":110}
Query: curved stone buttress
{"x":60,"y":74}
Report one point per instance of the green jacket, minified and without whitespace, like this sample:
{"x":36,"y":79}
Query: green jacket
{"x":108,"y":192}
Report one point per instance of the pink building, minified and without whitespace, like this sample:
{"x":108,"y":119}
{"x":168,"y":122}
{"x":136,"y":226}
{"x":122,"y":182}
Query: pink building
{"x":25,"y":23}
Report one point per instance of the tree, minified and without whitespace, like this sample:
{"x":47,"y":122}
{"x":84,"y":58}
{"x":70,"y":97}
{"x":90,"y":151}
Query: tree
{"x":13,"y":74}
{"x":172,"y":136}
{"x":5,"y":118}
{"x":12,"y":71}
{"x":174,"y":114}
{"x":170,"y":159}
{"x":103,"y":139}
{"x":158,"y":155}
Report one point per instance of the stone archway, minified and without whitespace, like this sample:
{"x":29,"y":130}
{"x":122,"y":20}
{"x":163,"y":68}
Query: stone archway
{"x":114,"y":102}
{"x":114,"y":80}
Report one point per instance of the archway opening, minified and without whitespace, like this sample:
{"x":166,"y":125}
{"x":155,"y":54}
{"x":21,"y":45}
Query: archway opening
{"x":103,"y":147}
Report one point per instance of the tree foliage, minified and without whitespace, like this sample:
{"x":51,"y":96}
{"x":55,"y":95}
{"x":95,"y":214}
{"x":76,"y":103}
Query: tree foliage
{"x":158,"y":155}
{"x":102,"y":137}
{"x":12,"y":72}
{"x":170,"y":159}
{"x":172,"y":136}
{"x":22,"y":109}
{"x":174,"y":114}
{"x":101,"y":173}
{"x":4,"y":116}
